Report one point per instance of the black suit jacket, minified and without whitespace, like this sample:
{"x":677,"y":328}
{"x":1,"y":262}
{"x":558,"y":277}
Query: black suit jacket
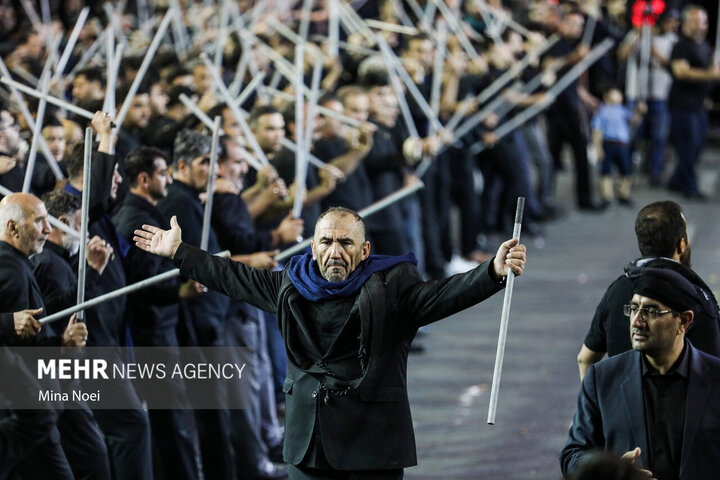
{"x":368,"y":426}
{"x":611,"y":414}
{"x":19,"y":291}
{"x":58,"y":281}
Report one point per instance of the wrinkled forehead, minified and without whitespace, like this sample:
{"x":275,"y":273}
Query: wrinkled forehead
{"x":338,"y":224}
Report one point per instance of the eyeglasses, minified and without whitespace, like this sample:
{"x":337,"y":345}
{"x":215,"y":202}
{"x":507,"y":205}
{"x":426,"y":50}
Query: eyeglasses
{"x":646,"y":313}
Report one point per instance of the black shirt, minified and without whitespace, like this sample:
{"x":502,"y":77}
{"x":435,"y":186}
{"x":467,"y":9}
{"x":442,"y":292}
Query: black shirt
{"x":569,"y":100}
{"x":58,"y":281}
{"x":234,"y":228}
{"x":284,"y":163}
{"x":609,"y":330}
{"x":13,"y":179}
{"x":355,"y":192}
{"x":664,"y":398}
{"x":208,"y":309}
{"x":153,"y":311}
{"x":331,"y":325}
{"x":690,"y":95}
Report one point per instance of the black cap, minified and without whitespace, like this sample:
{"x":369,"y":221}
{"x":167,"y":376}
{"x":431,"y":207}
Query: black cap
{"x":668,"y":287}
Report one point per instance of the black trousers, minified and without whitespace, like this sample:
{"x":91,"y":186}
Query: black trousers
{"x":567,"y":127}
{"x":305,"y":473}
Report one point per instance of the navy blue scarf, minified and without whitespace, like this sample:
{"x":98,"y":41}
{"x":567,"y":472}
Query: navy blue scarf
{"x":306,"y":277}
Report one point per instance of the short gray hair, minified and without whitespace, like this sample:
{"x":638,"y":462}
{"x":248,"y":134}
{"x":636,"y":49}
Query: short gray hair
{"x":190,"y":144}
{"x":10,"y":210}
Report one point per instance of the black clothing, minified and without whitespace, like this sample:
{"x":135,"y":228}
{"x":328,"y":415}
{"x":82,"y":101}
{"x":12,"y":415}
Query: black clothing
{"x":153,"y":311}
{"x":664,"y":399}
{"x":43,"y":178}
{"x":205,"y":316}
{"x":207,"y":310}
{"x":385,"y":166}
{"x":569,"y":100}
{"x":355,"y":192}
{"x":127,"y":432}
{"x":13,"y":180}
{"x":58,"y":281}
{"x":364,"y":424}
{"x":81,"y":438}
{"x":690,"y":95}
{"x":609,"y":331}
{"x":153,"y":316}
{"x":284,"y":163}
{"x":20,"y":291}
{"x":234,"y":228}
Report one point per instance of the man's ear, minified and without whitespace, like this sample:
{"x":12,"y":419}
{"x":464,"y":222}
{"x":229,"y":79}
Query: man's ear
{"x":143,"y":179}
{"x":365,"y":250}
{"x":64,"y":220}
{"x":686,"y":318}
{"x":312,"y":247}
{"x":11,"y":227}
{"x":681,"y":245}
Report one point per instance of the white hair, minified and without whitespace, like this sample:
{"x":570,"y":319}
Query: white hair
{"x":9,"y":211}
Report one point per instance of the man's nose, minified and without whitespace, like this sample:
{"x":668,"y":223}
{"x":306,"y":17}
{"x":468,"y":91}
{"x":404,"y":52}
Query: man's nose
{"x":638,"y":320}
{"x":335,"y":250}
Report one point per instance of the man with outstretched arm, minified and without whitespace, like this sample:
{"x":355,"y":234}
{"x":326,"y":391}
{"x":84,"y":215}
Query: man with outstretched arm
{"x":347,"y":319}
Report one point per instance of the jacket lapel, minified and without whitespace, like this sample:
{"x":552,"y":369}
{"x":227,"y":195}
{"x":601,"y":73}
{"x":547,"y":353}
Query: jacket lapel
{"x":698,"y":392}
{"x":632,"y":393}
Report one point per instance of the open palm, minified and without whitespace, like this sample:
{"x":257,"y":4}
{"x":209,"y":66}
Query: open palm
{"x":158,"y":241}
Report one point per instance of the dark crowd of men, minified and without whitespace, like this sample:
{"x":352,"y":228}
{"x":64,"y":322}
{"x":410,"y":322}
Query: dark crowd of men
{"x":371,"y":132}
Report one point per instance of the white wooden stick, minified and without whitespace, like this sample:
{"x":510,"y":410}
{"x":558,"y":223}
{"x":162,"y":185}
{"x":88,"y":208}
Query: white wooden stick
{"x":49,"y":98}
{"x":161,"y":277}
{"x":313,"y":100}
{"x":37,"y":131}
{"x":502,"y":80}
{"x":365,"y":212}
{"x":391,"y":27}
{"x":333,"y":28}
{"x":70,"y":45}
{"x":589,"y":30}
{"x":551,"y":94}
{"x":402,"y":102}
{"x":209,"y":123}
{"x":225,"y":94}
{"x":88,"y":54}
{"x":250,"y":88}
{"x":149,"y":55}
{"x":52,"y":162}
{"x":209,"y":191}
{"x":395,"y":63}
{"x":504,"y":320}
{"x":84,"y":219}
{"x":300,"y":161}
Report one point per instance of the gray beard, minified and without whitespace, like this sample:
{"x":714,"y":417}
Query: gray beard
{"x":70,"y":244}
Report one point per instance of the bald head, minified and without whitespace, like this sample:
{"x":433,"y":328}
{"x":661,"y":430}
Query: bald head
{"x":24,"y":223}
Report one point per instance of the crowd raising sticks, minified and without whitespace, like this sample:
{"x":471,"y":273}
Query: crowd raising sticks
{"x":316,"y":143}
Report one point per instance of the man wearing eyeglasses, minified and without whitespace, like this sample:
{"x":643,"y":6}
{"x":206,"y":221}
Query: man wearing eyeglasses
{"x":11,"y":175}
{"x":657,"y":405}
{"x":662,"y":237}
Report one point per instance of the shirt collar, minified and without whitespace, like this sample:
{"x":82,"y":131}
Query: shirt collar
{"x":681,"y":365}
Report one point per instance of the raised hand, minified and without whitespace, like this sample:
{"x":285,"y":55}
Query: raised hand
{"x":510,"y":256}
{"x":158,"y":241}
